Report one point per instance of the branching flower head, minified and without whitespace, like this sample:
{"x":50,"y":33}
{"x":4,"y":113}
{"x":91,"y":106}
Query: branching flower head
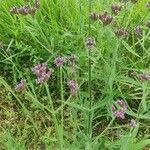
{"x":122,"y":32}
{"x":20,"y":87}
{"x":119,"y":112}
{"x":105,"y":18}
{"x":116,"y":9}
{"x":42,"y":73}
{"x":73,"y":87}
{"x":59,"y":61}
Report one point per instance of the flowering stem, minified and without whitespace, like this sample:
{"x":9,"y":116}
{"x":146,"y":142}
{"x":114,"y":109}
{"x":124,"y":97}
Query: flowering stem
{"x":62,"y":99}
{"x":89,"y":81}
{"x":54,"y":117}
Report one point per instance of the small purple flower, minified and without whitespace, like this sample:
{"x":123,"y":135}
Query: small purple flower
{"x":116,"y":9}
{"x":122,"y":104}
{"x":44,"y":77}
{"x":120,"y":113}
{"x":20,"y":87}
{"x":59,"y":61}
{"x":133,"y":123}
{"x":14,"y":10}
{"x":144,"y":77}
{"x":90,"y":42}
{"x":93,"y":16}
{"x":105,"y":18}
{"x":42,"y":73}
{"x":121,"y":32}
{"x":73,"y":87}
{"x":138,"y":31}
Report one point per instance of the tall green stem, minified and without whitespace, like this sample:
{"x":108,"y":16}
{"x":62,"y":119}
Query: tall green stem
{"x":89,"y":80}
{"x":54,"y":117}
{"x":62,"y":99}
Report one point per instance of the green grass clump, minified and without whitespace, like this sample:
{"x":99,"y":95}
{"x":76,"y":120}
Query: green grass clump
{"x":47,"y":116}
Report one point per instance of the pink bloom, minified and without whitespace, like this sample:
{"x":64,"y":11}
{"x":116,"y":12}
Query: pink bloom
{"x":20,"y":87}
{"x":116,"y":9}
{"x":105,"y":18}
{"x":59,"y":61}
{"x":120,"y":113}
{"x":122,"y":104}
{"x":42,"y":72}
{"x":73,"y":87}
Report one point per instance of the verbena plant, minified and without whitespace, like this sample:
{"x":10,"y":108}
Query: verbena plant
{"x":74,"y":74}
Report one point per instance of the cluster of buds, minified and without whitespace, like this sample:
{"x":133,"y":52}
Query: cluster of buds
{"x":132,"y":123}
{"x":59,"y":61}
{"x":122,"y":32}
{"x":42,"y":73}
{"x":120,"y":112}
{"x":148,"y":5}
{"x":94,"y":16}
{"x":72,"y":59}
{"x":90,"y":42}
{"x":1,"y":45}
{"x":142,"y":76}
{"x":116,"y":9}
{"x":105,"y":18}
{"x":25,"y":10}
{"x":20,"y":87}
{"x":73,"y":87}
{"x":138,"y":31}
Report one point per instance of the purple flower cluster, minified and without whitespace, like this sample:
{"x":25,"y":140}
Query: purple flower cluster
{"x":105,"y":18}
{"x":59,"y":61}
{"x":20,"y":87}
{"x":42,"y":72}
{"x":25,"y":10}
{"x":90,"y":42}
{"x":120,"y":112}
{"x":94,"y":16}
{"x":122,"y":32}
{"x":73,"y":87}
{"x":138,"y":31}
{"x":144,"y":77}
{"x":141,"y":76}
{"x":116,"y":9}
